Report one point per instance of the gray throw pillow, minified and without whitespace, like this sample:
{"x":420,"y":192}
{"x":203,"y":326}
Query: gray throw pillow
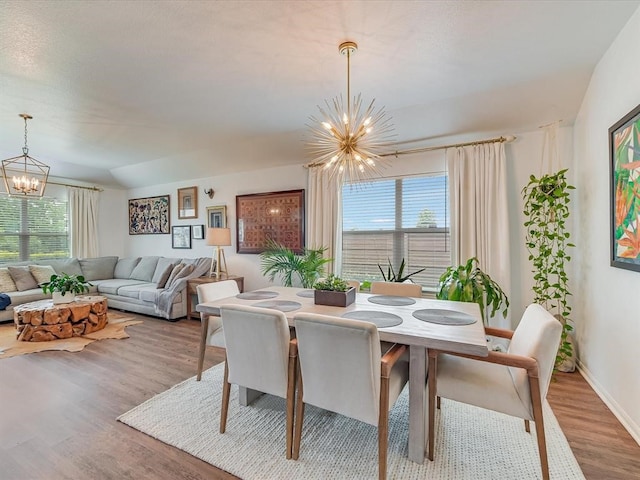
{"x":174,"y":271}
{"x":162,"y":280}
{"x":100,"y":268}
{"x":70,"y":266}
{"x":185,"y":272}
{"x":125,"y":266}
{"x":161,"y":266}
{"x":144,"y":269}
{"x":23,"y":278}
{"x":42,"y":273}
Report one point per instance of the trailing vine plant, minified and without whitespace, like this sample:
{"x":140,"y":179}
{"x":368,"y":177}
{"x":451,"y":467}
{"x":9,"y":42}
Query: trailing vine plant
{"x":546,"y":205}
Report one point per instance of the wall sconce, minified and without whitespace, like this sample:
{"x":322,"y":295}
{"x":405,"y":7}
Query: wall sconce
{"x":209,"y":192}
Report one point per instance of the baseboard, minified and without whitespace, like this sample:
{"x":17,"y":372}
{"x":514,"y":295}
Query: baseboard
{"x":618,"y":412}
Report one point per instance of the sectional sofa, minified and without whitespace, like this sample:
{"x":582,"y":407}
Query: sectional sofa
{"x":149,"y":285}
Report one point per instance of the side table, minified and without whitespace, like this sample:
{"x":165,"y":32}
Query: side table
{"x":193,"y":283}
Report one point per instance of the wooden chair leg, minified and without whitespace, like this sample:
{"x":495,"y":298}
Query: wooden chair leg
{"x":383,"y":428}
{"x":432,"y":379}
{"x":226,"y":390}
{"x":204,"y":327}
{"x":527,"y":426}
{"x":299,"y":418}
{"x":291,"y":393}
{"x":536,"y":400}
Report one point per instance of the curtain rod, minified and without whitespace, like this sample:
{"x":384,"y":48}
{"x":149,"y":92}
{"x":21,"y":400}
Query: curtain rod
{"x":500,"y":139}
{"x":97,"y":189}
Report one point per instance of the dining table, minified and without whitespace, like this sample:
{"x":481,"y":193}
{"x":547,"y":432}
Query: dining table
{"x":420,"y":323}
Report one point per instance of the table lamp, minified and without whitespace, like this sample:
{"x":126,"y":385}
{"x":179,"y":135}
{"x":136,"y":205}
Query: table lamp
{"x":218,"y":237}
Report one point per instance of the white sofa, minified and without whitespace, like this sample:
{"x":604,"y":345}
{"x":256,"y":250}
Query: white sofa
{"x":133,"y":284}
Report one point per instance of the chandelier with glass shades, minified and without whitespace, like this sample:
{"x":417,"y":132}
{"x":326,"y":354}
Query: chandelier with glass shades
{"x":24,"y":175}
{"x":346,"y":140}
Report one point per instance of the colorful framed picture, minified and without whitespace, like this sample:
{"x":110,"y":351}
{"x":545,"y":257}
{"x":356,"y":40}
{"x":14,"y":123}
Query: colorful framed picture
{"x":217,"y":217}
{"x":197,"y":232}
{"x":188,"y":202}
{"x":624,"y":153}
{"x":149,"y":215}
{"x":181,"y":236}
{"x":277,"y":216}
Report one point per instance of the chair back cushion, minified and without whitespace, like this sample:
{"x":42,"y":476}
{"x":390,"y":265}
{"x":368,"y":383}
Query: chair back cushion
{"x":395,"y":288}
{"x":537,"y":336}
{"x":210,"y":292}
{"x":257,"y":343}
{"x":340,"y":363}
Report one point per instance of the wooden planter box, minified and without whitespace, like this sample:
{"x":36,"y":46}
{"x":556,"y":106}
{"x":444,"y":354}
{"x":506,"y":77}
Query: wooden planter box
{"x":334,"y":299}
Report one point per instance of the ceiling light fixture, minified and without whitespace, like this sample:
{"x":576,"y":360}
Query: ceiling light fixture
{"x":347,"y":138}
{"x":24,"y":175}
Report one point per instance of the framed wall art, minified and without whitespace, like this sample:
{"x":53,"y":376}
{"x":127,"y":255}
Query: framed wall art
{"x":188,"y":202}
{"x":197,"y":232}
{"x":181,"y":236}
{"x":217,"y":217}
{"x":149,"y":215}
{"x":624,"y":157}
{"x":277,"y":216}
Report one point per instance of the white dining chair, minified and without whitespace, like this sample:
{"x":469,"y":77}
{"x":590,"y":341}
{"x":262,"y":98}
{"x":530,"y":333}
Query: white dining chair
{"x":396,"y":288}
{"x":342,"y":370}
{"x":260,"y":356}
{"x":211,"y":333}
{"x":514,"y":383}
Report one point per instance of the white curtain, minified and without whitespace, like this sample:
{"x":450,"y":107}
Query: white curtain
{"x":479,"y":213}
{"x":325,"y":216}
{"x":83,"y":207}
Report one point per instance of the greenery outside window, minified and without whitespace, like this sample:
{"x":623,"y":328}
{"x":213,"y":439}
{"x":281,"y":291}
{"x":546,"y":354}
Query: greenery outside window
{"x":33,"y":229}
{"x":392,"y":219}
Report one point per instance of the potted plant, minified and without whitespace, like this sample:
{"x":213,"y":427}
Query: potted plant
{"x":392,"y":276}
{"x":546,"y":206}
{"x":468,"y":283}
{"x":63,"y":288}
{"x":280,"y":260}
{"x":333,"y":291}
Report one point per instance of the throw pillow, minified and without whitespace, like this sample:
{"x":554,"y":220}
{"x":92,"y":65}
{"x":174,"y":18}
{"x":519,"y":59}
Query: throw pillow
{"x":162,"y":281}
{"x":185,"y":272}
{"x":173,"y":273}
{"x":42,"y":273}
{"x":23,"y":278}
{"x":6,"y":282}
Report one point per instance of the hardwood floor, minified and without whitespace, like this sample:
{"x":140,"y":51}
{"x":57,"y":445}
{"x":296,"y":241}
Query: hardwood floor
{"x":58,"y":410}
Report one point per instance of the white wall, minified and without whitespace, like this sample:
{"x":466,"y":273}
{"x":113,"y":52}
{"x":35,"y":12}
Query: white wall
{"x":607,"y":301}
{"x":113,"y":230}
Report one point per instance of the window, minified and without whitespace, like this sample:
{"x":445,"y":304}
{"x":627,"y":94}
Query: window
{"x":33,"y":229}
{"x":388,"y":220}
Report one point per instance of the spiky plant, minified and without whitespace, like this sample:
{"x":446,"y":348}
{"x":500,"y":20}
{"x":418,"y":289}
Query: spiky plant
{"x":280,"y":260}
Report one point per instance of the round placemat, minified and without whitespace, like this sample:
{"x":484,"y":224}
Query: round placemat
{"x":443,"y":317}
{"x":305,"y":293}
{"x":257,"y":295}
{"x":282,"y":305}
{"x":392,"y":300}
{"x":380,"y":319}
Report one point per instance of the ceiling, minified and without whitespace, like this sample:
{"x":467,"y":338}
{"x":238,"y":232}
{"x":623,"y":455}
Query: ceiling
{"x":134,"y":93}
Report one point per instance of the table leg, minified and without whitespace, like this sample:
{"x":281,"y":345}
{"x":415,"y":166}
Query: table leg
{"x":417,"y":403}
{"x":247,"y":395}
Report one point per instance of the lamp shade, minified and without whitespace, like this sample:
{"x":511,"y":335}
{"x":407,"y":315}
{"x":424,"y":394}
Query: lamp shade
{"x":219,"y":237}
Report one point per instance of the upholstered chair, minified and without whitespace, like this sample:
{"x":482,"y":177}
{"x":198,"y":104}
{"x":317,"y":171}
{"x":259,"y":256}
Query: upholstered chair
{"x":342,"y":370}
{"x":260,"y":356}
{"x":211,"y":333}
{"x":514,"y":383}
{"x":396,"y":288}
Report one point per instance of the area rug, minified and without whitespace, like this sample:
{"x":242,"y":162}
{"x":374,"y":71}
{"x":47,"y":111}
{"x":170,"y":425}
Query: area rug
{"x":472,"y":443}
{"x":10,"y":347}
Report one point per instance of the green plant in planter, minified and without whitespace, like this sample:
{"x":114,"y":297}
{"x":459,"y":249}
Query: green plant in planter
{"x":280,"y":260}
{"x":546,"y":206}
{"x":468,"y":283}
{"x":392,"y":276}
{"x":66,"y":283}
{"x":332,"y":283}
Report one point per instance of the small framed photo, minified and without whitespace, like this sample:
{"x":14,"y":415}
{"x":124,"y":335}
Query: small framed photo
{"x":181,"y":236}
{"x":217,"y":217}
{"x":188,"y":202}
{"x":197,"y":232}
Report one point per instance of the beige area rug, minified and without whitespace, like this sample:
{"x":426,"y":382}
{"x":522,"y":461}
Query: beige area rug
{"x":10,"y":347}
{"x":472,"y":443}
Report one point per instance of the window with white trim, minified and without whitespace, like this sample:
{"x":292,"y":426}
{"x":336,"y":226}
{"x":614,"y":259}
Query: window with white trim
{"x":33,"y":228}
{"x":391,"y":219}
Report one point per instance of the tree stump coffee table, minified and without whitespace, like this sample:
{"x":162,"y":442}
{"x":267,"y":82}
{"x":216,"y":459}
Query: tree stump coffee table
{"x":42,"y":321}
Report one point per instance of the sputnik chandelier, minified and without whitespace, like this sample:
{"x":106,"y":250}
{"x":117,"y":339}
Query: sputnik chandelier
{"x":347,"y":139}
{"x":24,"y":175}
